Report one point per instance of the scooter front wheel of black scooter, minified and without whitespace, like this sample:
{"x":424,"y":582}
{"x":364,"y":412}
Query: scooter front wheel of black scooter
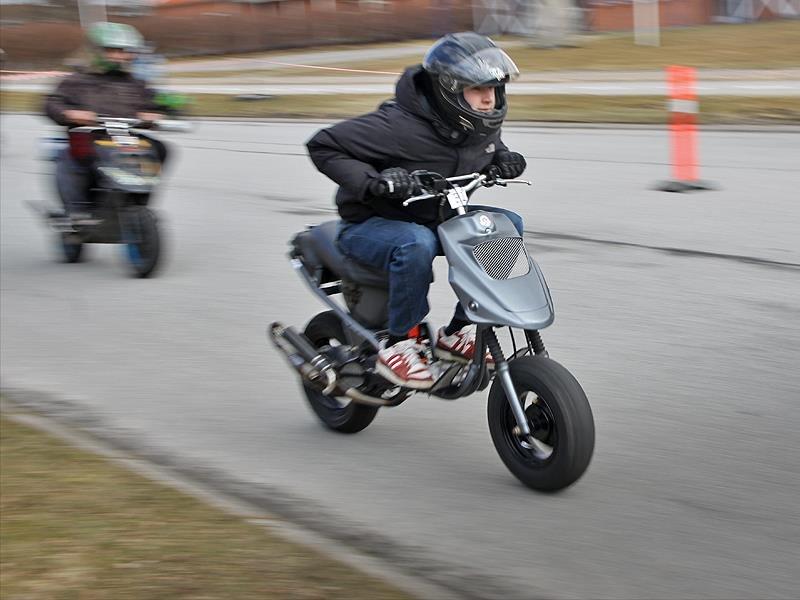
{"x":560,"y":420}
{"x":144,"y":248}
{"x":339,"y":414}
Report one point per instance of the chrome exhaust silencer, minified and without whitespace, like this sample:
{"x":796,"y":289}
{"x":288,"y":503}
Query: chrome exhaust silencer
{"x":303,"y":357}
{"x":313,"y":367}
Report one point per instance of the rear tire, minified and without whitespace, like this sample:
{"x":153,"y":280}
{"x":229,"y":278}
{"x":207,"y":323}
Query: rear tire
{"x":339,"y":414}
{"x":144,"y":253}
{"x":559,"y":417}
{"x":73,"y":250}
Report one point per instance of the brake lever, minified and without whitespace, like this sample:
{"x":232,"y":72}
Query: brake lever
{"x":507,"y":181}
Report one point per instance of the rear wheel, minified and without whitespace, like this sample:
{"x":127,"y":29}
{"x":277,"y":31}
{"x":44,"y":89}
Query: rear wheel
{"x":144,"y":249}
{"x":72,"y":247}
{"x":560,"y":420}
{"x":338,"y":413}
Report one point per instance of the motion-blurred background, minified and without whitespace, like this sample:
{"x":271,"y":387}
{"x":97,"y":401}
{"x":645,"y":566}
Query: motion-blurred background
{"x":678,"y":313}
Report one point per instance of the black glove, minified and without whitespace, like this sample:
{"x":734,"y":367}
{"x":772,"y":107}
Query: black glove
{"x":510,"y":164}
{"x":392,"y":184}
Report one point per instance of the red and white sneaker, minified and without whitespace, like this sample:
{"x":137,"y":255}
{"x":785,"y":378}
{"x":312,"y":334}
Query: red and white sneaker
{"x":403,"y":364}
{"x":459,"y":347}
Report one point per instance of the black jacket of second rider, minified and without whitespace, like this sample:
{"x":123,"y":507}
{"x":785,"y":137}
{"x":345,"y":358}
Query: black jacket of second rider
{"x":403,"y":132}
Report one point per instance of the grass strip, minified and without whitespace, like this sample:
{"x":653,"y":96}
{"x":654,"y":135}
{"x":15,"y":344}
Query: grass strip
{"x":555,"y":108}
{"x":766,"y":45}
{"x":73,"y":525}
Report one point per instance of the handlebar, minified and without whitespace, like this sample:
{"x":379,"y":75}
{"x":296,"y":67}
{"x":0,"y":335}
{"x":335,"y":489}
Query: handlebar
{"x":477,"y":180}
{"x":104,"y":122}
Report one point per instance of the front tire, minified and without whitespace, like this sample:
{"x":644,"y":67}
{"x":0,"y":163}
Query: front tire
{"x":143,"y":252}
{"x":339,"y":414}
{"x":560,"y":420}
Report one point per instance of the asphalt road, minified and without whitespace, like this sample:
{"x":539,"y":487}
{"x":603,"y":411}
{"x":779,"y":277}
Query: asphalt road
{"x":678,"y":314}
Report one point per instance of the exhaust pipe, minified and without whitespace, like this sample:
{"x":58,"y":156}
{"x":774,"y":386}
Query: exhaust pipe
{"x":304,"y":357}
{"x":314,"y":367}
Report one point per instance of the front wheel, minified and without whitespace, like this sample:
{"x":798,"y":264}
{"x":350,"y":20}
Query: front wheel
{"x":339,"y":414}
{"x":144,"y":245}
{"x":560,"y":420}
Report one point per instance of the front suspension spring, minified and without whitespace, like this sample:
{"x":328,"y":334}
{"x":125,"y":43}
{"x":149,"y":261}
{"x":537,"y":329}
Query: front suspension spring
{"x":494,"y":345}
{"x":536,"y":342}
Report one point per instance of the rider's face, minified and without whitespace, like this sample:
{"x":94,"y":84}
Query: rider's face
{"x":480,"y":98}
{"x":116,"y":55}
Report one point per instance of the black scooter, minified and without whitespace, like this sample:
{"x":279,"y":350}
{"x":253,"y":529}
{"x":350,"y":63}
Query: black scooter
{"x":125,"y":168}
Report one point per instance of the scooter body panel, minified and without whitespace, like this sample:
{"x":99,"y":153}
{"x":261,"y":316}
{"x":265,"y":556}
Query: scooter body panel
{"x":493,"y":276}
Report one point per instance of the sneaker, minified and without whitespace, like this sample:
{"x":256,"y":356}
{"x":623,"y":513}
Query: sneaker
{"x":459,"y":347}
{"x":404,"y":365}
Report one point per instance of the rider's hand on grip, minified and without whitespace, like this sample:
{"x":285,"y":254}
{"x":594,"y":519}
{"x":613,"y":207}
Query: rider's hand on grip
{"x":510,"y":164}
{"x":80,"y":117}
{"x":392,"y":184}
{"x":492,"y":172}
{"x":148,"y":118}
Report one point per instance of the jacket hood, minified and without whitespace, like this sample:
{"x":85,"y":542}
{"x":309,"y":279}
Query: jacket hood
{"x":413,"y":95}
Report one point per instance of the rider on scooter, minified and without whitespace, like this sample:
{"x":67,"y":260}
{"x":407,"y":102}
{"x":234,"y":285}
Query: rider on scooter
{"x":445,"y":117}
{"x":105,"y":88}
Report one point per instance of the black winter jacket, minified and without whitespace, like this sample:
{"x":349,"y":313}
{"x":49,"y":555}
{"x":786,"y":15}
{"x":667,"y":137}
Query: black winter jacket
{"x":107,"y":94}
{"x":403,"y":132}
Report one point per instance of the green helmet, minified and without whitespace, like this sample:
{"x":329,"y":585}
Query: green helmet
{"x":118,"y":36}
{"x":115,"y":35}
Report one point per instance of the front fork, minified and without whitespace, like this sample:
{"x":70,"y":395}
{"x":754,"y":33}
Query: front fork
{"x":503,"y":373}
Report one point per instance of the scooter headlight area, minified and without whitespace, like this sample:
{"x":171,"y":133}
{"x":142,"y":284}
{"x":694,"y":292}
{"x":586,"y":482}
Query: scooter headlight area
{"x":129,"y":181}
{"x":539,"y":417}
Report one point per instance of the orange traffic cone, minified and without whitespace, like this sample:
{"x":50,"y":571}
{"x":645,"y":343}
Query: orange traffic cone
{"x":683,"y":132}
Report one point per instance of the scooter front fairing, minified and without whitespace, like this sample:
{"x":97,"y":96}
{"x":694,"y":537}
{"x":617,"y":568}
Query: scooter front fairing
{"x":495,"y":279}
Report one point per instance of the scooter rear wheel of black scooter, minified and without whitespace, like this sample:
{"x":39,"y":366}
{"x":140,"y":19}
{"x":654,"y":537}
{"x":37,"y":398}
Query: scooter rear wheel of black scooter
{"x":559,"y":417}
{"x":143,"y":253}
{"x":72,"y":249}
{"x":339,"y":414}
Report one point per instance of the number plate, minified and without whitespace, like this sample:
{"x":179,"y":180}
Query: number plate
{"x":457,"y":198}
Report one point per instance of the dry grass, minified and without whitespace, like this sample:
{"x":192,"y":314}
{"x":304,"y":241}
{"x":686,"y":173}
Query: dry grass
{"x":559,"y":108}
{"x":767,"y":45}
{"x":76,"y":526}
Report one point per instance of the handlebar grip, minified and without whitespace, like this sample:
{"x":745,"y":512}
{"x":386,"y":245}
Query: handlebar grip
{"x":493,"y":172}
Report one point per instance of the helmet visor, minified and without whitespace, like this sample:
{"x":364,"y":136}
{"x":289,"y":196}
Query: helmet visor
{"x":485,"y":67}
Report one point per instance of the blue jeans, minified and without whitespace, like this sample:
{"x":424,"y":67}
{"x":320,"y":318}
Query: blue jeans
{"x":406,"y":251}
{"x":73,"y":181}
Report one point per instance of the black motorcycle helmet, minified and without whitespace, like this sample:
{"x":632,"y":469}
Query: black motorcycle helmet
{"x":461,"y":60}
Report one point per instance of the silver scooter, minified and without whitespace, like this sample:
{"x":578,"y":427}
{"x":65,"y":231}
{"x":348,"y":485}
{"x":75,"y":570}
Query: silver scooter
{"x":539,"y":417}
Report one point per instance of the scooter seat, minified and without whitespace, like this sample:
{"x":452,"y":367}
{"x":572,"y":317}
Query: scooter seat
{"x":319,"y":248}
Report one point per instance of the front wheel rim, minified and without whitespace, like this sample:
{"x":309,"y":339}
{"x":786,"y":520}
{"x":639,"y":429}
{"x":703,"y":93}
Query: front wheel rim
{"x":542,"y":424}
